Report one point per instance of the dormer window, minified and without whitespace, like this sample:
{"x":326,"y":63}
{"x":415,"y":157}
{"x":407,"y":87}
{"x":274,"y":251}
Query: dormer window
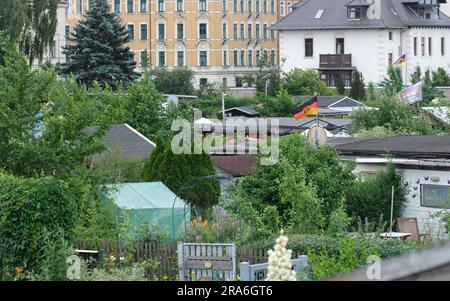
{"x":354,"y":13}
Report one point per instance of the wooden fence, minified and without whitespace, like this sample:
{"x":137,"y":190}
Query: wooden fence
{"x":166,"y":254}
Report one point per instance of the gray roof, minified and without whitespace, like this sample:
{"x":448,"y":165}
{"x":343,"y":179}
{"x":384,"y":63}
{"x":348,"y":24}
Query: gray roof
{"x":394,"y":14}
{"x":245,"y":109}
{"x":127,"y":142}
{"x":327,"y":101}
{"x":400,"y":147}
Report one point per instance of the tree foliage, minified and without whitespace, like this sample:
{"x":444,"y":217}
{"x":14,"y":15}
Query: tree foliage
{"x":393,"y":82}
{"x":31,"y":23}
{"x":96,"y":51}
{"x":190,"y":176}
{"x":268,"y":76}
{"x":280,"y":106}
{"x":173,"y":81}
{"x":305,"y":82}
{"x":340,"y":85}
{"x":357,"y":91}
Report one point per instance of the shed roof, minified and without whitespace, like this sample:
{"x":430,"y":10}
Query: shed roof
{"x":235,"y":165}
{"x":150,"y":195}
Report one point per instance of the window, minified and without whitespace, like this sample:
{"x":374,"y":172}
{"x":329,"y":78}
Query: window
{"x":203,"y":58}
{"x":340,"y":46}
{"x":202,"y":31}
{"x":144,"y":58}
{"x":202,"y":5}
{"x":258,"y":56}
{"x":242,"y":5}
{"x":390,"y":36}
{"x":180,"y":31}
{"x":266,"y":32}
{"x":257,"y":33}
{"x":224,"y":5}
{"x":179,"y":5}
{"x":249,"y":31}
{"x":272,"y":6}
{"x":309,"y":47}
{"x":203,"y":82}
{"x":224,"y":31}
{"x":161,"y":58}
{"x":264,"y":6}
{"x":130,"y":6}
{"x":250,"y":57}
{"x":265,"y":56}
{"x":422,"y":42}
{"x":143,"y":6}
{"x":235,"y":31}
{"x":79,"y":6}
{"x":144,"y":32}
{"x":130,"y":28}
{"x":389,"y":59}
{"x":354,"y":13}
{"x":430,"y":48}
{"x":68,"y":8}
{"x":289,"y":8}
{"x":242,"y":57}
{"x":442,"y":46}
{"x":235,"y":57}
{"x":116,"y":6}
{"x":225,"y":58}
{"x":180,"y":58}
{"x":242,"y":31}
{"x":160,"y":6}
{"x":435,"y":196}
{"x":257,"y":6}
{"x":272,"y":57}
{"x":272,"y":34}
{"x":235,"y":6}
{"x":282,"y":9}
{"x":249,"y":6}
{"x":415,"y":46}
{"x":161,"y":31}
{"x":67,"y":33}
{"x":319,"y":13}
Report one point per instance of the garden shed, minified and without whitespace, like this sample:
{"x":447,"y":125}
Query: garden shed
{"x":152,"y":202}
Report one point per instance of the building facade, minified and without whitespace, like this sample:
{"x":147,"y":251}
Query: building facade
{"x":55,"y":53}
{"x":341,"y":36}
{"x":220,"y":40}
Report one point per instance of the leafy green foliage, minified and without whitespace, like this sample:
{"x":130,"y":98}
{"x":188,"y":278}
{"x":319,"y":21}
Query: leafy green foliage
{"x":441,"y":78}
{"x":268,"y":77}
{"x":393,"y":82}
{"x":393,"y":116}
{"x":184,"y":174}
{"x":340,"y":85}
{"x":371,"y":92}
{"x":29,"y":209}
{"x":371,"y":197}
{"x":96,"y":52}
{"x":305,"y":82}
{"x":416,"y":76}
{"x":32,"y":23}
{"x":357,"y":91}
{"x":173,"y":81}
{"x":281,"y":106}
{"x":145,"y":59}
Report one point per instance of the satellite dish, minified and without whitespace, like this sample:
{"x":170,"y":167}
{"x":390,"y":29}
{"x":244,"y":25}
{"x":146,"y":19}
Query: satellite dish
{"x":317,"y":135}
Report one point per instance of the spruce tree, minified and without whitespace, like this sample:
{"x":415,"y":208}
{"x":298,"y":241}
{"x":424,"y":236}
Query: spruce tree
{"x":96,"y":51}
{"x":416,"y":76}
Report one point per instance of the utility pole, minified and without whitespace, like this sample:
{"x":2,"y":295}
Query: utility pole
{"x":223,"y":106}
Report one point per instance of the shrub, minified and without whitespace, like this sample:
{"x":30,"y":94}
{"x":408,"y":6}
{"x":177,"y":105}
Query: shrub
{"x":371,"y":198}
{"x":29,"y":209}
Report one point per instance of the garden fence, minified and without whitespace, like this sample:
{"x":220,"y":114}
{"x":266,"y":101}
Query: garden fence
{"x":166,"y":254}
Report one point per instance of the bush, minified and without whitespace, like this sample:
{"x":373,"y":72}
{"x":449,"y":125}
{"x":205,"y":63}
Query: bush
{"x":305,"y":82}
{"x":371,"y":198}
{"x":29,"y":209}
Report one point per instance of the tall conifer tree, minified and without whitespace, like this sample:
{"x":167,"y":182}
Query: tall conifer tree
{"x":96,"y":51}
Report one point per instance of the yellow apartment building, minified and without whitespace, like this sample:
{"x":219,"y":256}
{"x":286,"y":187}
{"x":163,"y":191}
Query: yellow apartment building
{"x":218,"y":39}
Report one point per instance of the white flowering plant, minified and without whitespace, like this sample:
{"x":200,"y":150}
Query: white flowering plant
{"x":280,"y":266}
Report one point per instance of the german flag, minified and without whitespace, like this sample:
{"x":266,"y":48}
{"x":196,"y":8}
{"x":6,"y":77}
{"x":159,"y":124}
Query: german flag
{"x":401,"y":61}
{"x":309,"y":108}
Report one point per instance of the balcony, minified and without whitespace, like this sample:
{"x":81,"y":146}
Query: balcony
{"x":336,"y":61}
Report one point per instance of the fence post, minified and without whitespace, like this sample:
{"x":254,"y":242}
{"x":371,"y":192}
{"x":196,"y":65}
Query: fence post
{"x":180,"y":261}
{"x":244,"y":273}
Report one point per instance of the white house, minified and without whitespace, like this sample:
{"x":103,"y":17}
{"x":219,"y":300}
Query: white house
{"x":425,"y":164}
{"x":340,"y":36}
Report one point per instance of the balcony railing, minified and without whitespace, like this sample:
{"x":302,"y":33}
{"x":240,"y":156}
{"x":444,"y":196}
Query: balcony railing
{"x":335,"y":61}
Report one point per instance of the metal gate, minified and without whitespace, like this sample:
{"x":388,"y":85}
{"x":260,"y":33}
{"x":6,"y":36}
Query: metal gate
{"x":207,"y":262}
